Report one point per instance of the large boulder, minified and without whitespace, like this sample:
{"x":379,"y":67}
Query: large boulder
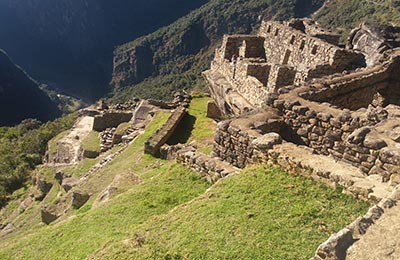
{"x":79,"y":199}
{"x":48,"y":214}
{"x":373,"y":41}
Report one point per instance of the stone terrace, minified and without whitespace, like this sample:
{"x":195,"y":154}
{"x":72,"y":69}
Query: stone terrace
{"x":312,"y":108}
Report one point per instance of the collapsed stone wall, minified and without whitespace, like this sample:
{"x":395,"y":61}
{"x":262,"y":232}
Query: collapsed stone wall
{"x":153,"y":144}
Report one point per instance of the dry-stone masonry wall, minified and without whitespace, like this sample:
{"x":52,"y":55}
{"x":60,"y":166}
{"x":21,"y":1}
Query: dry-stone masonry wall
{"x":248,"y":69}
{"x":110,"y":119}
{"x":211,"y":168}
{"x":161,"y":136}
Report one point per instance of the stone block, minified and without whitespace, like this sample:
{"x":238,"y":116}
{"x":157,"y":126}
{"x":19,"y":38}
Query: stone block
{"x":325,"y":117}
{"x":336,"y":246}
{"x":391,"y":156}
{"x":301,"y":110}
{"x":361,"y":188}
{"x":360,"y":226}
{"x":79,"y":199}
{"x":374,"y":142}
{"x":267,"y":141}
{"x":358,"y":135}
{"x":48,"y":214}
{"x":213,"y":110}
{"x":69,"y":183}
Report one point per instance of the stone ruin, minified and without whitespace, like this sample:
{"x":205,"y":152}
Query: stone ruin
{"x":297,"y":99}
{"x":293,"y":79}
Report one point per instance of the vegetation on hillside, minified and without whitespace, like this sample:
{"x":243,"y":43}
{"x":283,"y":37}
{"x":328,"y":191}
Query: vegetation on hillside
{"x":21,"y":97}
{"x":344,"y":15}
{"x":260,"y":213}
{"x":91,"y":142}
{"x":179,"y":57}
{"x":22,"y":148}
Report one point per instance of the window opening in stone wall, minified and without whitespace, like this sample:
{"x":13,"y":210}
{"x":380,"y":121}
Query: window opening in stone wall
{"x":292,"y":39}
{"x":269,"y":29}
{"x":314,"y":50}
{"x":276,"y":32}
{"x":302,"y":44}
{"x":286,"y":58}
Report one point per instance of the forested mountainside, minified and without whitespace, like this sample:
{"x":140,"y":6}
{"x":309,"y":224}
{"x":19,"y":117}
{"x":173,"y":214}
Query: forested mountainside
{"x":68,"y":44}
{"x":343,"y":15}
{"x":21,"y":97}
{"x":174,"y":56}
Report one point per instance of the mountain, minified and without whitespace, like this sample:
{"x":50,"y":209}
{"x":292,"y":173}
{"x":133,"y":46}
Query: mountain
{"x":68,"y":44}
{"x":21,"y":97}
{"x":344,"y":15}
{"x":174,"y":56}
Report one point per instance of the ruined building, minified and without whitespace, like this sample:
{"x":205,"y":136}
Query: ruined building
{"x":293,"y":79}
{"x":298,"y":100}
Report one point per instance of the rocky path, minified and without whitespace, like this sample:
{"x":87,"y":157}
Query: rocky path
{"x":382,"y":240}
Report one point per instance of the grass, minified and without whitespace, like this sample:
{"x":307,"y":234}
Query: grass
{"x":80,"y":236}
{"x":164,"y":186}
{"x":121,"y":129}
{"x":53,"y":143}
{"x":45,"y":173}
{"x":196,"y":126}
{"x":262,"y":213}
{"x":91,"y":142}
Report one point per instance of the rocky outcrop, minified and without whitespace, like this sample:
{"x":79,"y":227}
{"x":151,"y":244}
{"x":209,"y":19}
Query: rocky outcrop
{"x":133,"y":66}
{"x":373,"y":40}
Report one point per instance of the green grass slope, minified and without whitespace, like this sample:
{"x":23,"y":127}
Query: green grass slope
{"x":260,"y":213}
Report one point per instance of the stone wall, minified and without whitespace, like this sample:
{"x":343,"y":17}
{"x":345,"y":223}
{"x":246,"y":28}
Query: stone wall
{"x":110,"y":119}
{"x":246,"y":46}
{"x":210,"y":168}
{"x":153,"y":144}
{"x":286,"y":45}
{"x":233,"y":140}
{"x":345,"y":135}
{"x":248,"y":69}
{"x":359,"y":89}
{"x":233,"y":144}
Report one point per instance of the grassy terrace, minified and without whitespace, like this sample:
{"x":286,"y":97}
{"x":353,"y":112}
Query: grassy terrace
{"x":92,"y":142}
{"x":261,"y":213}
